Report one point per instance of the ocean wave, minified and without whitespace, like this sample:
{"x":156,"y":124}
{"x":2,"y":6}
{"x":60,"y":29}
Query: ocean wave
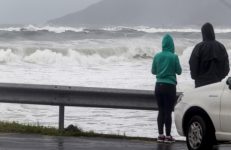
{"x":7,"y":55}
{"x":62,"y":29}
{"x":87,"y":57}
{"x":74,"y":56}
{"x":58,"y":29}
{"x":163,"y":30}
{"x":169,"y":30}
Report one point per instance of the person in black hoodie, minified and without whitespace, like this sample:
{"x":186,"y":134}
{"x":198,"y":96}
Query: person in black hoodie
{"x":209,"y":62}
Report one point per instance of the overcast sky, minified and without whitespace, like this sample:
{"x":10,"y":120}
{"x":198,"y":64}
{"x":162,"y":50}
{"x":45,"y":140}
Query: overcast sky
{"x":38,"y":11}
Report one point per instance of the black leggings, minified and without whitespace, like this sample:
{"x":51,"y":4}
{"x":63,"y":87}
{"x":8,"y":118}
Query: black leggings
{"x":166,"y":98}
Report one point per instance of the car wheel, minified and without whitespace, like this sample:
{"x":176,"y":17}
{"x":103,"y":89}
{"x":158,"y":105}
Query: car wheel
{"x":198,"y":134}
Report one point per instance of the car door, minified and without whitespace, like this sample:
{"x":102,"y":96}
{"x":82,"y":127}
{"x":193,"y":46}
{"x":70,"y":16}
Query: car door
{"x":225,"y":114}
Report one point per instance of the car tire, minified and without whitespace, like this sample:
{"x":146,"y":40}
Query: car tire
{"x":199,"y":135}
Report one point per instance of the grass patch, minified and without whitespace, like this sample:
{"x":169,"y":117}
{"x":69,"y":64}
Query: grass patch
{"x":14,"y":127}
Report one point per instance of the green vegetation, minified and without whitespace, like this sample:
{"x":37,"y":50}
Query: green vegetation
{"x":14,"y":127}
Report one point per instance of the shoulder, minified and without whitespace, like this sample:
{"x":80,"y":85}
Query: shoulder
{"x":198,"y":48}
{"x":176,"y":57}
{"x":157,"y":54}
{"x":199,"y":45}
{"x":220,"y":44}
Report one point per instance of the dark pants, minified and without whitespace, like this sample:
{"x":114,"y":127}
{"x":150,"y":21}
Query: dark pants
{"x":166,"y":98}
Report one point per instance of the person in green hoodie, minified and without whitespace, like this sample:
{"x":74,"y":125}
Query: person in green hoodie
{"x":165,"y":66}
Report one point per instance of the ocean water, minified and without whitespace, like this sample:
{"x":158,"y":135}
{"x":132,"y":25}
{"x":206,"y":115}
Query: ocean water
{"x":111,"y":57}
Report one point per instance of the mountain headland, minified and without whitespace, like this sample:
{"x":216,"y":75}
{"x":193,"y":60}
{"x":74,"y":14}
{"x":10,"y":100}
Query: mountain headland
{"x":158,"y":13}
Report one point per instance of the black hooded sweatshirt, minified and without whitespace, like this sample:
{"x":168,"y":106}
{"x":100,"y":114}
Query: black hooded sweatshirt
{"x":209,"y":62}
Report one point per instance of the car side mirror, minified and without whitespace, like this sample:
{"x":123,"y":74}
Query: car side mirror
{"x":228,"y":82}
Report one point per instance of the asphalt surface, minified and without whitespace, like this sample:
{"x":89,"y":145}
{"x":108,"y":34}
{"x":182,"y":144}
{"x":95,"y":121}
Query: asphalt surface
{"x":39,"y":142}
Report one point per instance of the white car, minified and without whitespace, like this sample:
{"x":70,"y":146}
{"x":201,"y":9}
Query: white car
{"x":203,"y":115}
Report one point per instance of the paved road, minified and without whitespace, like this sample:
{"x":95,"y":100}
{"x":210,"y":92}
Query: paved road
{"x":39,"y":142}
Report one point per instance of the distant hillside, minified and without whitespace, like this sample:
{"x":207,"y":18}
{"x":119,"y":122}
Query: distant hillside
{"x":151,"y":13}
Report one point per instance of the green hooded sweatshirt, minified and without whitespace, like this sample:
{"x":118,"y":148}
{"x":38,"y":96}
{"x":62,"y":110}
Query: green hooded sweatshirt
{"x":166,"y":64}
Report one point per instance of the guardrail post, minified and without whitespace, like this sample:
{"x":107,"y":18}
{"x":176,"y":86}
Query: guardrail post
{"x":61,"y":117}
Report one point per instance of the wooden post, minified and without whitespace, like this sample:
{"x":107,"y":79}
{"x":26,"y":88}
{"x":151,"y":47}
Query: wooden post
{"x":61,"y":117}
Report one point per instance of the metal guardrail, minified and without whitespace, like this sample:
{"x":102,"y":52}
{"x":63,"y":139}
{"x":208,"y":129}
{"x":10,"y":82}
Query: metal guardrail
{"x":77,"y":96}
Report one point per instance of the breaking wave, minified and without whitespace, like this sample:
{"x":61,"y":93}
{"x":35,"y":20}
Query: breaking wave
{"x":62,"y":29}
{"x":87,"y":56}
{"x":74,"y":56}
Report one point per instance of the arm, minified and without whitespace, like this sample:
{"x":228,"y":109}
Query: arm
{"x":226,"y":64}
{"x":194,"y":63}
{"x":178,"y":66}
{"x":153,"y":67}
{"x":227,"y":69}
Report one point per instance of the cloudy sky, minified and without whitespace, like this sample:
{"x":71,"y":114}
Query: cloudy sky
{"x":38,"y":11}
